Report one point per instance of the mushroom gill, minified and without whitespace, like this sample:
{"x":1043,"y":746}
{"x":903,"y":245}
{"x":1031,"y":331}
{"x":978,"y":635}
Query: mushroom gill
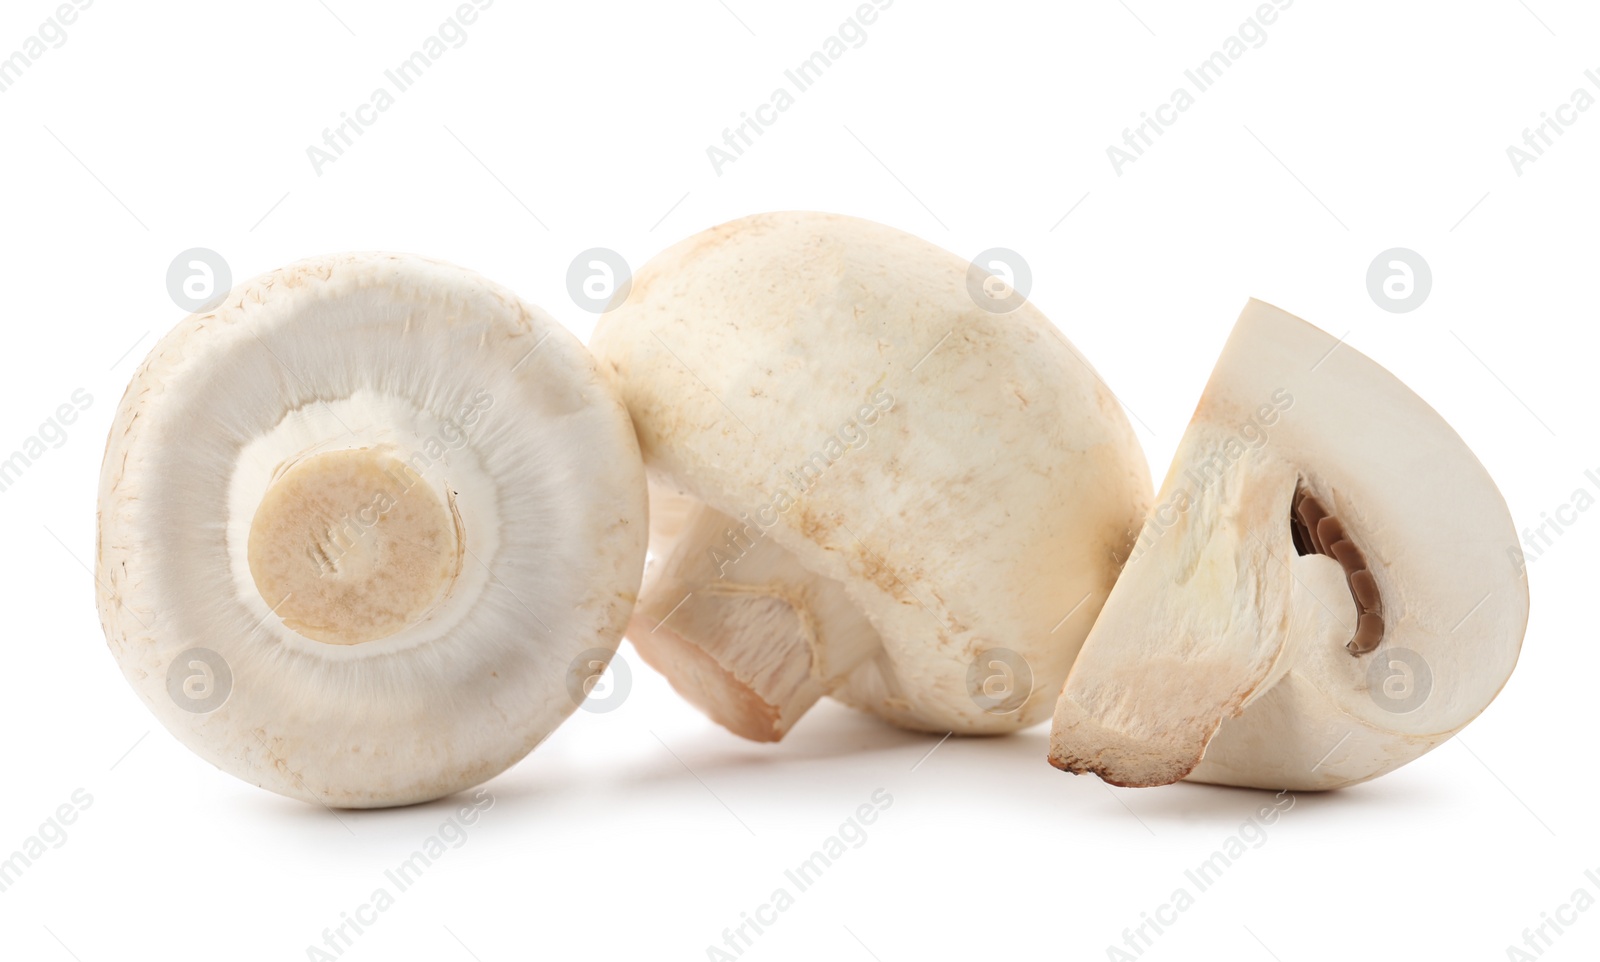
{"x":1316,"y":531}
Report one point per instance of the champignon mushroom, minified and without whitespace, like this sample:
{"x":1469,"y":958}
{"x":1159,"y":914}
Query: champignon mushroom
{"x":863,"y":483}
{"x":357,"y":522}
{"x":1321,"y":594}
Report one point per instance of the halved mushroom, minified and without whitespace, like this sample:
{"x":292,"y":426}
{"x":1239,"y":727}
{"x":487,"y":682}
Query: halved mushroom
{"x":1321,"y":594}
{"x":357,"y":523}
{"x":863,"y":483}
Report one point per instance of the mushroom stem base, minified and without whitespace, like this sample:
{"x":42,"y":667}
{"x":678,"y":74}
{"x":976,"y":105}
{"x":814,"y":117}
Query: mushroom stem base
{"x":350,"y":546}
{"x":738,"y":626}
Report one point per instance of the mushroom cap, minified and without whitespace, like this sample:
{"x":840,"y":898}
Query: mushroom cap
{"x":1242,"y":647}
{"x":513,"y":464}
{"x":964,"y":475}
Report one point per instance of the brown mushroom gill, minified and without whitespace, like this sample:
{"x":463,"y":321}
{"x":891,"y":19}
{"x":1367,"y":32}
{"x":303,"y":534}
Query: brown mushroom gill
{"x":1315,"y":531}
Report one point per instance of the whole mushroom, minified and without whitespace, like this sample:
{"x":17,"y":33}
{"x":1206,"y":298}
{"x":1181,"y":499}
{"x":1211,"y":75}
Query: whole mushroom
{"x":366,"y":528}
{"x":866,"y":482}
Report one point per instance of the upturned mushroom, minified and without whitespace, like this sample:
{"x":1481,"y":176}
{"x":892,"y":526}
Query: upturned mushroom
{"x":366,"y":528}
{"x":867,"y":481}
{"x":1322,"y":593}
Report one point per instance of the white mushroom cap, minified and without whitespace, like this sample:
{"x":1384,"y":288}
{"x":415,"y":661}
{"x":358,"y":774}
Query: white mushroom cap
{"x":863,"y":483}
{"x":1322,"y":593}
{"x":357,"y":523}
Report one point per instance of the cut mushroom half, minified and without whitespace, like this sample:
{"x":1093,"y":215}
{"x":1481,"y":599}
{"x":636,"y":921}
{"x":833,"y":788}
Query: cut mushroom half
{"x":361,"y":523}
{"x":1321,"y":594}
{"x":864,"y":483}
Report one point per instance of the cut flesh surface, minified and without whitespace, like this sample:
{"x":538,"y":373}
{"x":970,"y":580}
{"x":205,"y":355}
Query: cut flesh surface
{"x":1322,"y":593}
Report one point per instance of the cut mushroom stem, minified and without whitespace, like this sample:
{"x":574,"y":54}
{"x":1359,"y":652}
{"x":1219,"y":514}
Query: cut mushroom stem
{"x":741,"y":628}
{"x":354,"y":546}
{"x":1320,"y":595}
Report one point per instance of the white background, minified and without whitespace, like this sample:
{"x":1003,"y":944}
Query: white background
{"x":644,"y":832}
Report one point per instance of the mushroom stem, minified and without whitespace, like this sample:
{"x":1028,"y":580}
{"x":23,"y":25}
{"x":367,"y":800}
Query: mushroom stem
{"x":738,"y":626}
{"x":351,"y":546}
